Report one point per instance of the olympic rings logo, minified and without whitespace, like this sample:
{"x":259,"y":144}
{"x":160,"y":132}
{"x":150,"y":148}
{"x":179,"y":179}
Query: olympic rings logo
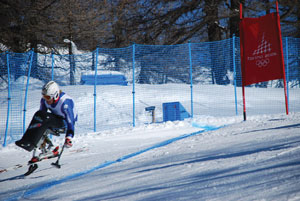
{"x":262,"y":62}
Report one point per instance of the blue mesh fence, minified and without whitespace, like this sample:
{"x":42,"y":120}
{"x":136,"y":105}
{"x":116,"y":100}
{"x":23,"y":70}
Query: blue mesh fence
{"x":114,"y":87}
{"x":165,"y":69}
{"x":4,"y":95}
{"x":291,"y":50}
{"x":14,"y":70}
{"x":115,"y":109}
{"x":212,"y":74}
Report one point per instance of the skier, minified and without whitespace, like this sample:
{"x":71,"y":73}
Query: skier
{"x":61,"y":104}
{"x":57,"y":114}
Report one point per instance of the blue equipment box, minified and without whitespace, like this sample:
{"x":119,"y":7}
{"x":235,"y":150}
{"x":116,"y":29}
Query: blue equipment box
{"x":174,"y":111}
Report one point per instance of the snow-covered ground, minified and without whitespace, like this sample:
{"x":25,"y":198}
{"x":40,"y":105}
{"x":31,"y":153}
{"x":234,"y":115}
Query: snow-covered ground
{"x":209,"y":157}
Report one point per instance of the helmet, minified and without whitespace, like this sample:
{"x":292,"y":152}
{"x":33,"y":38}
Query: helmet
{"x":51,"y":90}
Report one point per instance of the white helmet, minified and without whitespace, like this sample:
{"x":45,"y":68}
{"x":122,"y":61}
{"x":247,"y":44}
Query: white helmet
{"x":51,"y":89}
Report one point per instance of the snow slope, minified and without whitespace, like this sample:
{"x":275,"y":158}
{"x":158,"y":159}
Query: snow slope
{"x":204,"y":158}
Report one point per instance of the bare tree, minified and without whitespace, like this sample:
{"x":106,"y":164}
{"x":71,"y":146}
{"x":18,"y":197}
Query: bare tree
{"x":118,"y":23}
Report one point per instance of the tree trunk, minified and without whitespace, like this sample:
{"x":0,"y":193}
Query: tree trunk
{"x":234,"y":19}
{"x":214,"y":34}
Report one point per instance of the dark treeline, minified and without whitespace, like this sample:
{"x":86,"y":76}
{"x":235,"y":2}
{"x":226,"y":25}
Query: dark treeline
{"x":27,"y":24}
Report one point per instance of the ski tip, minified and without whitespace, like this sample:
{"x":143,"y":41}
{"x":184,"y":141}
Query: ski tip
{"x":31,"y":169}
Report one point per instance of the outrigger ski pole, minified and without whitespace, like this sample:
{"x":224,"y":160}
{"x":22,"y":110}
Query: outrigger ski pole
{"x":56,"y":164}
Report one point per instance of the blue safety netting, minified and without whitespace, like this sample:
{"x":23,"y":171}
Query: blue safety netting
{"x":113,"y":86}
{"x":14,"y":69}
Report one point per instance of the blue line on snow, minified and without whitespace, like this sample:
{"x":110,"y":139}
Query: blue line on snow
{"x":67,"y":178}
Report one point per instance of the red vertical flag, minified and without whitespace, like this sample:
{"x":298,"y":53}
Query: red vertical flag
{"x":261,"y":49}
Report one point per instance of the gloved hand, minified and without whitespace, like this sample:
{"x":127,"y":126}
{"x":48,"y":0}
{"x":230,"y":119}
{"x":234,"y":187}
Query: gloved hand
{"x":68,"y":142}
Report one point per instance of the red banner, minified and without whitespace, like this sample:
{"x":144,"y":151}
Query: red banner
{"x":261,"y":49}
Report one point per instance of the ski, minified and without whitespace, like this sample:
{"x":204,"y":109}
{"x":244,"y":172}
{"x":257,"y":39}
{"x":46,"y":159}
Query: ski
{"x":18,"y":166}
{"x":12,"y":168}
{"x":33,"y":163}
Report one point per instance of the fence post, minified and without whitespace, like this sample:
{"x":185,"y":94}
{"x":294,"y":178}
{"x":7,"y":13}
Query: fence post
{"x":287,"y":70}
{"x":234,"y":72}
{"x":191,"y":78}
{"x":26,"y":92}
{"x":133,"y":85}
{"x":95,"y":91}
{"x":52,"y":66}
{"x":8,"y":99}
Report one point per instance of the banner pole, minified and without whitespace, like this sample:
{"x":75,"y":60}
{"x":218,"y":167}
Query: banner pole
{"x":242,"y":61}
{"x":244,"y":103}
{"x":282,"y":60}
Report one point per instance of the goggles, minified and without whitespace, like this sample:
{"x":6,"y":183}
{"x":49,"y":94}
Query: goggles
{"x":47,"y":98}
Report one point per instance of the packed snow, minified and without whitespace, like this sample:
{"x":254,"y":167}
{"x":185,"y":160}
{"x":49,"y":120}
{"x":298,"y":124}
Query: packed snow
{"x":208,"y":157}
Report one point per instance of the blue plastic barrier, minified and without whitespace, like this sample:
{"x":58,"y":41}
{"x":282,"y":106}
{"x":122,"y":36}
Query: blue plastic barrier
{"x":174,"y":111}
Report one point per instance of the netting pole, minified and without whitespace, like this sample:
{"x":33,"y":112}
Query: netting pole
{"x":287,"y":70}
{"x":133,"y":85}
{"x":191,"y":78}
{"x":8,"y":99}
{"x":52,"y":71}
{"x":234,"y":72}
{"x":52,"y":66}
{"x":95,"y":91}
{"x":26,"y":91}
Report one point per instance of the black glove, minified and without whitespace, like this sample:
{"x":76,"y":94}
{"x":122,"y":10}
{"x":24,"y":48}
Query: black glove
{"x":70,"y":133}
